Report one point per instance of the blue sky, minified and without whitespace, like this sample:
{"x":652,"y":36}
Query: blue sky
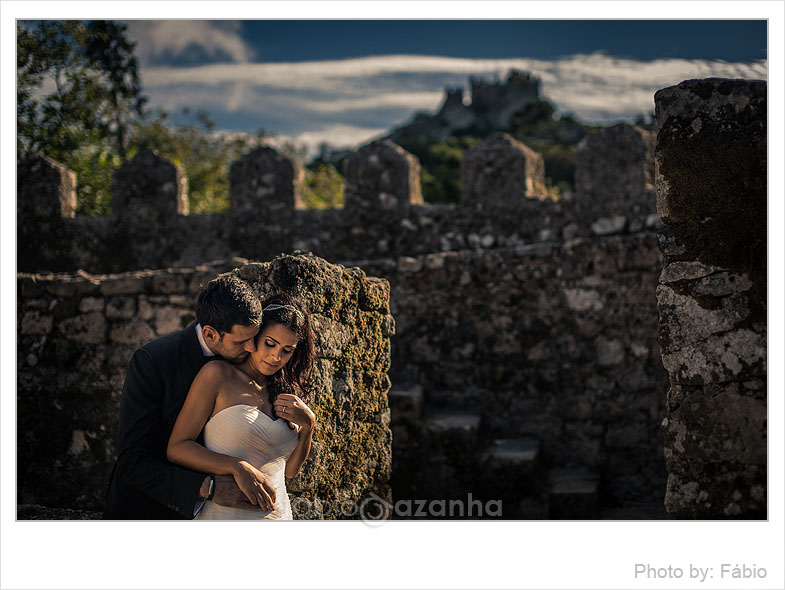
{"x":348,"y":81}
{"x":306,"y":40}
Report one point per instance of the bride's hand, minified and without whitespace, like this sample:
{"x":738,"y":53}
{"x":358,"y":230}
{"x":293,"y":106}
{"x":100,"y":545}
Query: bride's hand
{"x":254,"y":485}
{"x":292,"y":408}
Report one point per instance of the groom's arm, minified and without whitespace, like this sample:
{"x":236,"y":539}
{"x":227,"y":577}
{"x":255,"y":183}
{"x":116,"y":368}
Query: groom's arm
{"x":141,"y":442}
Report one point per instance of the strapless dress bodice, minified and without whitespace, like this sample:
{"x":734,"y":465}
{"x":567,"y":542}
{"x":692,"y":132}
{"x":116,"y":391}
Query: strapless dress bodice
{"x":246,"y":432}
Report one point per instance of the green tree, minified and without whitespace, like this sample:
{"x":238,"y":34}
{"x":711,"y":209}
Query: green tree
{"x":205,"y":155}
{"x":78,"y":93}
{"x":440,"y":176}
{"x":323,"y":186}
{"x":537,"y":125}
{"x":555,"y":137}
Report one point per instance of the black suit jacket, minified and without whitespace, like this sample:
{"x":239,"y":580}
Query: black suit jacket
{"x":143,"y":484}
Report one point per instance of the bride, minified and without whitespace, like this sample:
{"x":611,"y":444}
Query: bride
{"x":256,"y":428}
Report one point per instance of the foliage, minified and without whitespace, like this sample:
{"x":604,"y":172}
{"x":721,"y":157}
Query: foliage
{"x":327,"y":154}
{"x":204,"y":154}
{"x":94,"y":94}
{"x":440,"y":177}
{"x":323,"y":186}
{"x":537,"y":125}
{"x":79,"y":101}
{"x":554,"y":137}
{"x":324,"y":183}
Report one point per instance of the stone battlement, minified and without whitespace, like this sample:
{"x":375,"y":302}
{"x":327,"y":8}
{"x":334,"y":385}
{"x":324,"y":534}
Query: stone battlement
{"x":503,"y":204}
{"x":520,"y":322}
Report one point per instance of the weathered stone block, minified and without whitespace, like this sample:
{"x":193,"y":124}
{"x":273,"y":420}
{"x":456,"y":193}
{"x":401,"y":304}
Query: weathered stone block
{"x":382,"y":175}
{"x":711,"y":167}
{"x":388,"y":327}
{"x":685,"y":271}
{"x":144,"y":311}
{"x":711,"y":193}
{"x":184,"y":301}
{"x":169,"y":282}
{"x":683,"y":320}
{"x":717,"y":425}
{"x":149,"y":189}
{"x":608,"y":225}
{"x":716,"y":490}
{"x":615,"y":167}
{"x":123,"y":285}
{"x":88,"y":328}
{"x":331,"y":337}
{"x":170,"y":319}
{"x":722,"y":284}
{"x":36,"y":323}
{"x":719,"y":358}
{"x":120,"y":308}
{"x":70,"y":286}
{"x":375,"y":295}
{"x":264,"y":180}
{"x":30,"y":286}
{"x":134,"y":332}
{"x":88,"y":304}
{"x":584,"y":300}
{"x":502,"y":169}
{"x":41,"y":304}
{"x":46,"y":190}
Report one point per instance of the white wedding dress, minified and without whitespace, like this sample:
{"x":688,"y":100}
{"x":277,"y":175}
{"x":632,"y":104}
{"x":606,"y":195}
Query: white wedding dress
{"x":246,"y":432}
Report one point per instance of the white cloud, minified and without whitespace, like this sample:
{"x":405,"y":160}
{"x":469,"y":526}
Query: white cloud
{"x":217,"y":40}
{"x":326,"y":100}
{"x":339,"y":135}
{"x":407,"y":100}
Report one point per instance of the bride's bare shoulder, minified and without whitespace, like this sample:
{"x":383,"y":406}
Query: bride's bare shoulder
{"x":218,"y":369}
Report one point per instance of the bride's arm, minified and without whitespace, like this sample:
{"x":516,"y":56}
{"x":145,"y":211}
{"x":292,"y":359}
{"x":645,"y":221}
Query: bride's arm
{"x":184,"y":450}
{"x":300,"y":453}
{"x":295,"y":410}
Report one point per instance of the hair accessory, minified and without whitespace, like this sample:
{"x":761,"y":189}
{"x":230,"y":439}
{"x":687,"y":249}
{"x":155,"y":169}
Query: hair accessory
{"x":292,"y":308}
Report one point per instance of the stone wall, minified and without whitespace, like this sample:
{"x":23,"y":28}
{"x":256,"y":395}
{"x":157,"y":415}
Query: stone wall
{"x":384,"y":217}
{"x":553,"y":341}
{"x":77,"y":333}
{"x":527,"y":347}
{"x":546,"y":308}
{"x":711,"y":193}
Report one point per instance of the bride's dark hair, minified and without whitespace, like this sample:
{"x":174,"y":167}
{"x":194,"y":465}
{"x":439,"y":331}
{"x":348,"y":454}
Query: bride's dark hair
{"x":287,"y":310}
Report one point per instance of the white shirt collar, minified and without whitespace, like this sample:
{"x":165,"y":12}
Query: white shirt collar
{"x":205,"y":349}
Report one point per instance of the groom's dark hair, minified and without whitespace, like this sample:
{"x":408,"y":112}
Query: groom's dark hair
{"x":228,"y":301}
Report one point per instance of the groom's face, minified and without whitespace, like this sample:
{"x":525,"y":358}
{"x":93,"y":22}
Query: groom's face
{"x":234,"y":346}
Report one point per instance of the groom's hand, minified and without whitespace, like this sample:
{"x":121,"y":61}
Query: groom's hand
{"x":228,"y":494}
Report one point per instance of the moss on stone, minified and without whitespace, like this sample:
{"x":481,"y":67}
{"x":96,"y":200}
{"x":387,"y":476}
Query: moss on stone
{"x":353,"y":456}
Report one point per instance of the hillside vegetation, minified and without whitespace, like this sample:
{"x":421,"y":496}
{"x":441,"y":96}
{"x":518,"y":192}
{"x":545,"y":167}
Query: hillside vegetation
{"x":96,"y":119}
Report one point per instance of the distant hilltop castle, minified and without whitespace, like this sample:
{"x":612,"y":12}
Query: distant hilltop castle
{"x":492,"y":105}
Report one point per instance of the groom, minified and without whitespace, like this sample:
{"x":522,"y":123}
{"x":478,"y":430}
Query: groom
{"x":143,"y":484}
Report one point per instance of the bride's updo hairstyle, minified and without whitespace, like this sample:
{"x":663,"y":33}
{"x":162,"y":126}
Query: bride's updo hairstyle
{"x":287,"y":310}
